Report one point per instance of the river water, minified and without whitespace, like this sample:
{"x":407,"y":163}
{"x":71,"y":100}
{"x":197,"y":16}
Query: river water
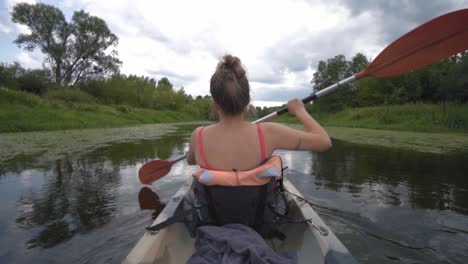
{"x":386,"y":205}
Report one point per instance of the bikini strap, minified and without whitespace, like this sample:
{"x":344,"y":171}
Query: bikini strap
{"x":200,"y":147}
{"x":202,"y":153}
{"x":262,"y":141}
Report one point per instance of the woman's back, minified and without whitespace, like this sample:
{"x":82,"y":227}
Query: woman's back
{"x":235,"y":144}
{"x":230,"y":146}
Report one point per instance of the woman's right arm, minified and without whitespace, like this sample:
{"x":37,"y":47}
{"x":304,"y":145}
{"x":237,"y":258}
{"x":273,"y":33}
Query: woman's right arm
{"x":313,"y":137}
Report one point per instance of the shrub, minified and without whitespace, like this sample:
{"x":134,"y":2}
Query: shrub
{"x":9,"y":74}
{"x":124,"y":109}
{"x":9,"y":96}
{"x":69,"y":95}
{"x":34,"y":81}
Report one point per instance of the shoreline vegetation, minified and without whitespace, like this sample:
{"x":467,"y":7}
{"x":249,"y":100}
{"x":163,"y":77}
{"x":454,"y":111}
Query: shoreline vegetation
{"x":431,"y":128}
{"x":24,"y":112}
{"x":62,"y":110}
{"x":74,"y":91}
{"x":417,"y":117}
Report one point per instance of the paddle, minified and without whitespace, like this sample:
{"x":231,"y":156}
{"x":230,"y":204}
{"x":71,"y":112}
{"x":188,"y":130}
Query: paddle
{"x":431,"y":42}
{"x":155,"y":169}
{"x":149,"y":200}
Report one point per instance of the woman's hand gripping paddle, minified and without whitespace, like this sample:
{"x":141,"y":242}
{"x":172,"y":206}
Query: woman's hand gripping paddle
{"x":431,"y":42}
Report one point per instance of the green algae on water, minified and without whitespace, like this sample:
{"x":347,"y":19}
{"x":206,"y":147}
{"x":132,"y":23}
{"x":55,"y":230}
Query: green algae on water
{"x":53,"y":145}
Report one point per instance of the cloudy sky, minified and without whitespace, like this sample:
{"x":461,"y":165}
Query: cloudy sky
{"x":279,"y":41}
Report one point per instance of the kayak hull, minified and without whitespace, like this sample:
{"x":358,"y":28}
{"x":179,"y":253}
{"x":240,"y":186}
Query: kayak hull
{"x":314,"y":242}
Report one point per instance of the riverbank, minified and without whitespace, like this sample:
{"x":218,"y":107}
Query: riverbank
{"x":419,"y":117}
{"x":20,"y":111}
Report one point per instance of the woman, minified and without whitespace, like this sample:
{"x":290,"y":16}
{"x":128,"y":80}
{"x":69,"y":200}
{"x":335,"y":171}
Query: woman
{"x":234,"y":143}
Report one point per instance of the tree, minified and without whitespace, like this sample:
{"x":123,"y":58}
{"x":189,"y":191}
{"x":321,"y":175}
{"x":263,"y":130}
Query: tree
{"x":358,"y":63}
{"x":73,"y":51}
{"x":331,"y":71}
{"x":9,"y":75}
{"x":328,"y":73}
{"x":454,"y":84}
{"x":164,"y":85}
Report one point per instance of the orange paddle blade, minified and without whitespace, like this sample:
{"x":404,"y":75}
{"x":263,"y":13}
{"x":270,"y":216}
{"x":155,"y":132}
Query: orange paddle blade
{"x":431,"y":42}
{"x":154,"y":170}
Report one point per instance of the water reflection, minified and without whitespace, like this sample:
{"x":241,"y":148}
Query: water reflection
{"x":76,"y":197}
{"x":395,"y":177}
{"x":79,"y":194}
{"x":389,"y":205}
{"x":149,"y":200}
{"x":130,"y":153}
{"x":385,"y":204}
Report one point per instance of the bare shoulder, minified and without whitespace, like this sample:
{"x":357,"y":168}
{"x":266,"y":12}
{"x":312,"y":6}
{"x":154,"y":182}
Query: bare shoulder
{"x":269,"y":126}
{"x":274,"y":128}
{"x":193,"y":137}
{"x":283,"y":137}
{"x":279,"y":135}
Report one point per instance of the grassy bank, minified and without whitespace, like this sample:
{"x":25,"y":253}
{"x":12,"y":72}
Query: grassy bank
{"x":69,"y":109}
{"x":21,"y":111}
{"x":410,"y":117}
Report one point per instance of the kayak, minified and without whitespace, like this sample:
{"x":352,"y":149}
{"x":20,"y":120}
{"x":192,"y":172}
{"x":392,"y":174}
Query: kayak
{"x":313,"y":241}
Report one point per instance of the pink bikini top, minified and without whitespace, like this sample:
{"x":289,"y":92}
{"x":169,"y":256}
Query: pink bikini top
{"x":202,"y":154}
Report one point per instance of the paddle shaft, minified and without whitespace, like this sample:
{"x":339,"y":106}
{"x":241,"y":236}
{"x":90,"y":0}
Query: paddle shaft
{"x":309,"y":98}
{"x":179,"y":159}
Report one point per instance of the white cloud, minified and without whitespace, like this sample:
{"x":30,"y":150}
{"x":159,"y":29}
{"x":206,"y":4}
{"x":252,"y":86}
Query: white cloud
{"x":4,"y":28}
{"x":10,"y":3}
{"x":280,"y":42}
{"x":27,"y":60}
{"x":20,"y":29}
{"x":188,"y":37}
{"x":261,"y":103}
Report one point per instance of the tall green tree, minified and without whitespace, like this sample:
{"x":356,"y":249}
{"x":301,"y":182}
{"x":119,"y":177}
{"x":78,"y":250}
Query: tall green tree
{"x":334,"y":70}
{"x":454,"y":83}
{"x":164,"y":85}
{"x":74,"y":51}
{"x":9,"y":74}
{"x":330,"y":71}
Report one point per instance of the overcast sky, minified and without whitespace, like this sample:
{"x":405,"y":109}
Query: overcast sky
{"x":279,"y":41}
